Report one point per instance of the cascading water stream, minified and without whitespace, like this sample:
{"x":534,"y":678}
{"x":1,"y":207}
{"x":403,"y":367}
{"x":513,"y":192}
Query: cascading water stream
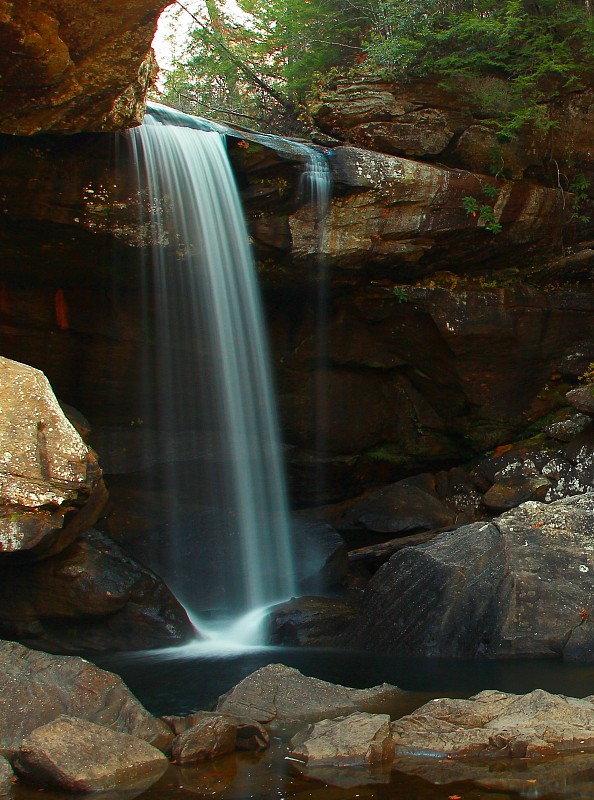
{"x":208,"y":327}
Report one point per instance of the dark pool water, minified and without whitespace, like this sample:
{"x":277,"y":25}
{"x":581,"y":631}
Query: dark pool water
{"x":181,"y":680}
{"x":186,"y":679}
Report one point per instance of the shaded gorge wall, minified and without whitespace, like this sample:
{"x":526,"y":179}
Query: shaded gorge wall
{"x":443,"y":339}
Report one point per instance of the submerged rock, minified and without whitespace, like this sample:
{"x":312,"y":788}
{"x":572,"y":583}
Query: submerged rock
{"x":495,"y":723}
{"x":519,"y":585}
{"x":282,"y":694}
{"x":567,"y":776}
{"x":80,"y":756}
{"x":38,"y":688}
{"x":358,"y":739}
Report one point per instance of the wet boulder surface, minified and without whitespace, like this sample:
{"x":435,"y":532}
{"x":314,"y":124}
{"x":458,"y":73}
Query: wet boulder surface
{"x":79,"y":756}
{"x":39,"y":688}
{"x":519,"y":585}
{"x":282,"y":694}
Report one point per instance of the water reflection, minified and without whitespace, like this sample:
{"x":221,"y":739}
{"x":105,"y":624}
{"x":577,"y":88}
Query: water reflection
{"x":181,"y":680}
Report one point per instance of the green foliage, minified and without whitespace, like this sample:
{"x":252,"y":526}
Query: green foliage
{"x":261,"y":62}
{"x":588,"y":375}
{"x":400,"y":294}
{"x":484,"y":212}
{"x":580,"y":187}
{"x":510,"y":55}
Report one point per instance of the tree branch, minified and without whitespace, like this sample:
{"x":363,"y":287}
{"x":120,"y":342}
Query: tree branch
{"x":247,"y":70}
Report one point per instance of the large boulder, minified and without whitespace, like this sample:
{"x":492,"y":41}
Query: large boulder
{"x":520,"y":585}
{"x":91,"y":596}
{"x":38,"y":688}
{"x":51,"y":487}
{"x":210,"y":737}
{"x":356,"y":740}
{"x":282,"y":694}
{"x":250,"y":735}
{"x":70,"y":66}
{"x":310,"y":621}
{"x":75,"y":755}
{"x":494,"y":723}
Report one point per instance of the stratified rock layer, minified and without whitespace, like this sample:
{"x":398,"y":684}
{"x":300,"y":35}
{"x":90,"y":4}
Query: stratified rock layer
{"x":497,"y":724}
{"x":520,"y":585}
{"x":68,"y":66}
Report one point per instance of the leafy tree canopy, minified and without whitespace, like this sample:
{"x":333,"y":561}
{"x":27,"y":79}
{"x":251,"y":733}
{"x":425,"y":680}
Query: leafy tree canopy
{"x":258,"y":62}
{"x":537,"y":47}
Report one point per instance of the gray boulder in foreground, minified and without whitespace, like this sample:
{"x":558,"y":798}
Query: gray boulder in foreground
{"x":356,"y":740}
{"x":37,"y":688}
{"x":520,"y":585}
{"x":495,"y":723}
{"x":80,"y":756}
{"x":280,"y":693}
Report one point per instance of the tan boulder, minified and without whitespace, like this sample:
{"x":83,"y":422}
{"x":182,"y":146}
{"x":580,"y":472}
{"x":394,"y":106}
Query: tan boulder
{"x":281,"y":693}
{"x":358,"y":739}
{"x":211,"y":737}
{"x":76,"y":755}
{"x":51,"y":487}
{"x":495,"y":723}
{"x":38,"y":688}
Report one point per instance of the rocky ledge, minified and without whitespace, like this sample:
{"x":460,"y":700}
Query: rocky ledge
{"x":68,"y":725}
{"x":70,"y":66}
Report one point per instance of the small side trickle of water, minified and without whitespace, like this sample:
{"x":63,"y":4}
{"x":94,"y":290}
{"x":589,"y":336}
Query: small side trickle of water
{"x":211,"y":352}
{"x":317,"y":188}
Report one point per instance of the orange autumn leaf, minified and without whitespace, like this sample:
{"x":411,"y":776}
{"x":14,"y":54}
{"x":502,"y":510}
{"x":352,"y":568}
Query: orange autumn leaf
{"x":503,"y":448}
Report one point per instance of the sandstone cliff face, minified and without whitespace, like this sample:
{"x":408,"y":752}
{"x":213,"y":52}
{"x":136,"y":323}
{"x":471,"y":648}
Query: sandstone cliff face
{"x":420,"y":120}
{"x":433,"y":351}
{"x":72,"y":65}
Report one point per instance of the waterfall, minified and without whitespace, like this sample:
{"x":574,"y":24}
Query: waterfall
{"x":205,"y":318}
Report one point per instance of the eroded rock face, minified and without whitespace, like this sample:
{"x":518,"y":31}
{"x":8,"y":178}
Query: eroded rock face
{"x":422,"y":120}
{"x":494,"y":723}
{"x":71,"y":66}
{"x":519,"y":585}
{"x":38,"y":688}
{"x":283,"y":694}
{"x":355,"y":740}
{"x":50,"y":483}
{"x":75,"y":755}
{"x":6,"y":777}
{"x":90,"y":596}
